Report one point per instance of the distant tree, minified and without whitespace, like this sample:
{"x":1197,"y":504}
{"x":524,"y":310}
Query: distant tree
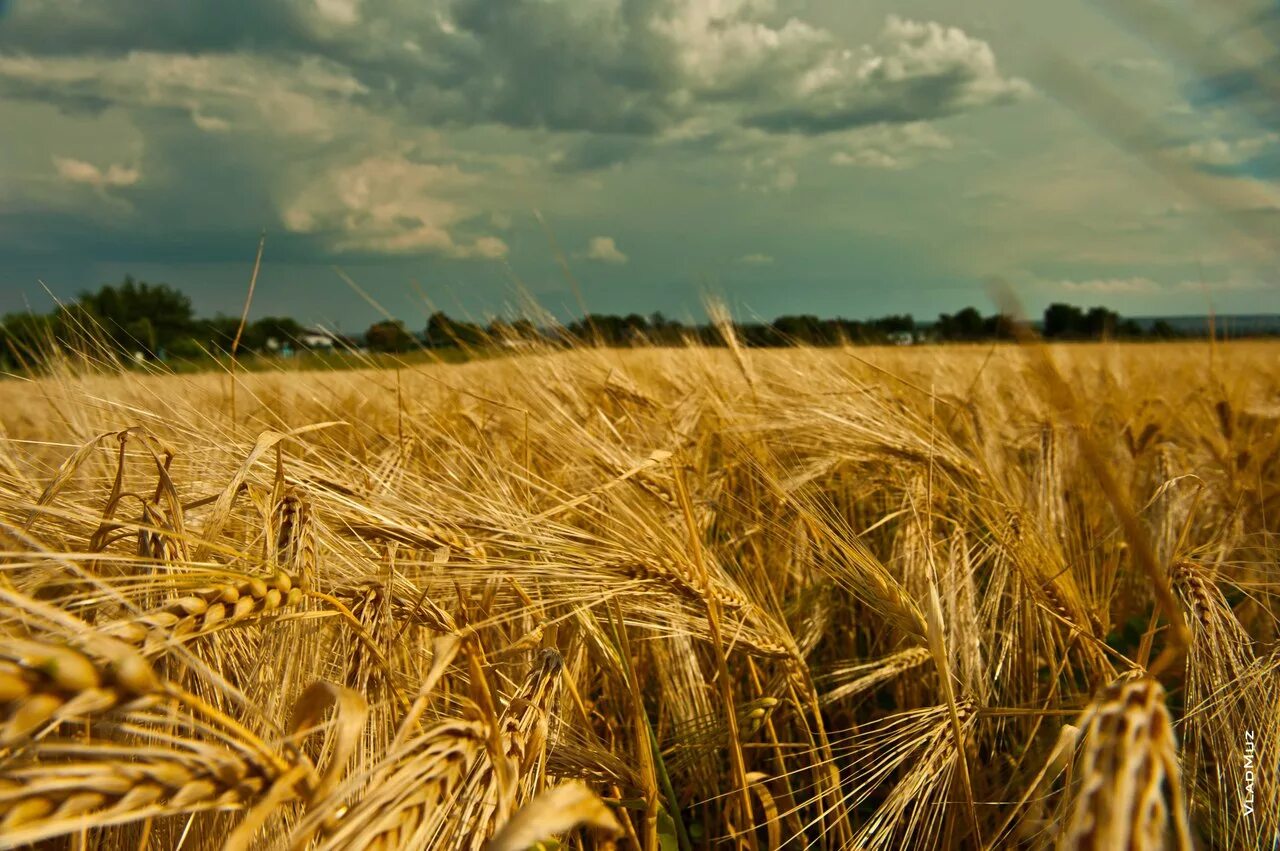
{"x":26,"y":337}
{"x":609,"y":329}
{"x":218,"y":332}
{"x":966,"y":325}
{"x":895,"y":324}
{"x":516,"y":330}
{"x":665,"y":331}
{"x":439,"y":330}
{"x":282,"y":329}
{"x":141,"y":333}
{"x":1063,"y":321}
{"x":442,"y":331}
{"x":1163,"y":330}
{"x":635,"y":327}
{"x":188,"y":348}
{"x":137,"y":315}
{"x":805,"y":330}
{"x":999,"y":326}
{"x":524,"y":329}
{"x":1129,"y":329}
{"x":1100,"y":322}
{"x":388,"y":336}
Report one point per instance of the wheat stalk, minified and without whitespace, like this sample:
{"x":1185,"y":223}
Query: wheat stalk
{"x":1129,"y":791}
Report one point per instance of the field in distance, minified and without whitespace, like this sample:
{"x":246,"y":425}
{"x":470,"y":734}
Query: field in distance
{"x":882,"y":598}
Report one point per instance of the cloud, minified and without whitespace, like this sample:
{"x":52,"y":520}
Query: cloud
{"x":79,"y":171}
{"x":300,"y":98}
{"x":1220,"y":152}
{"x":392,"y":205}
{"x":1134,"y":65}
{"x":345,"y":12}
{"x":1112,"y":286}
{"x":378,"y":126}
{"x":623,"y":67}
{"x":117,"y":27}
{"x":596,"y":152}
{"x":867,"y":158}
{"x":1146,"y":286}
{"x":768,"y":175}
{"x":312,"y":153}
{"x":890,"y":146}
{"x":209,"y":123}
{"x":756,"y":260}
{"x":602,"y":249}
{"x":600,"y":67}
{"x":916,"y":71}
{"x":1231,"y":285}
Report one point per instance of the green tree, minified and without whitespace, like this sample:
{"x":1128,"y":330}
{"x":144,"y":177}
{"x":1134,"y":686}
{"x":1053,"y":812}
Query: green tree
{"x":137,"y":315}
{"x":1100,"y":322}
{"x":442,"y":331}
{"x":967,"y":324}
{"x":282,"y":329}
{"x":1063,"y":321}
{"x":388,"y":336}
{"x":26,"y":337}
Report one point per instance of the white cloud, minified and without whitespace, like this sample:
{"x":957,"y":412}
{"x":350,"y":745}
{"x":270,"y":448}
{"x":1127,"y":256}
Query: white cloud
{"x":603,"y":249}
{"x":796,"y":77}
{"x":1146,"y":286}
{"x":867,"y":158}
{"x":1112,"y":286}
{"x":1135,"y":65}
{"x":284,"y":97}
{"x":345,"y":12}
{"x":917,"y":70}
{"x":1227,"y":152}
{"x":645,"y":67}
{"x":390,"y":204}
{"x":768,"y":175}
{"x":719,"y":48}
{"x":485,"y":247}
{"x":786,"y":179}
{"x":1231,"y":285}
{"x":756,"y":260}
{"x":79,"y":171}
{"x":209,"y":123}
{"x":890,"y":146}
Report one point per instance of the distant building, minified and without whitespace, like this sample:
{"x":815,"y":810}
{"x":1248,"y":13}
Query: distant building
{"x":318,"y":338}
{"x":902,"y":338}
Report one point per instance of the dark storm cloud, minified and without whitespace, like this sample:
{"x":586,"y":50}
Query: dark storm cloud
{"x":338,"y":124}
{"x":638,"y":67}
{"x":596,"y":152}
{"x":922,"y":98}
{"x":71,"y":27}
{"x":569,"y":66}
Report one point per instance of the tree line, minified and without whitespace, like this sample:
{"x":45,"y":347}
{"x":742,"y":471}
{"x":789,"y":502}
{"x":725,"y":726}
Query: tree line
{"x":1060,"y":322}
{"x":157,"y":321}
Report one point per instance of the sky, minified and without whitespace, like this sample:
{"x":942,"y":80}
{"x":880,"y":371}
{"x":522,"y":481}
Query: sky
{"x":824,"y":157}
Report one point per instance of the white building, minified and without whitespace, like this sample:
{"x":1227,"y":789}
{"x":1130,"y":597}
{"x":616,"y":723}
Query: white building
{"x":317,"y":338}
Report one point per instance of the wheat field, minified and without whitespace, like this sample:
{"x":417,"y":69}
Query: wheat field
{"x":935,"y":598}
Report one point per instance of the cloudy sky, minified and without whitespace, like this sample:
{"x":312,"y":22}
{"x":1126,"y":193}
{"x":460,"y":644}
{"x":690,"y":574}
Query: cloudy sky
{"x":825,"y":156}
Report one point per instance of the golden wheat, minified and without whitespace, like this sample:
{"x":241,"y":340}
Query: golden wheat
{"x":660,"y":598}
